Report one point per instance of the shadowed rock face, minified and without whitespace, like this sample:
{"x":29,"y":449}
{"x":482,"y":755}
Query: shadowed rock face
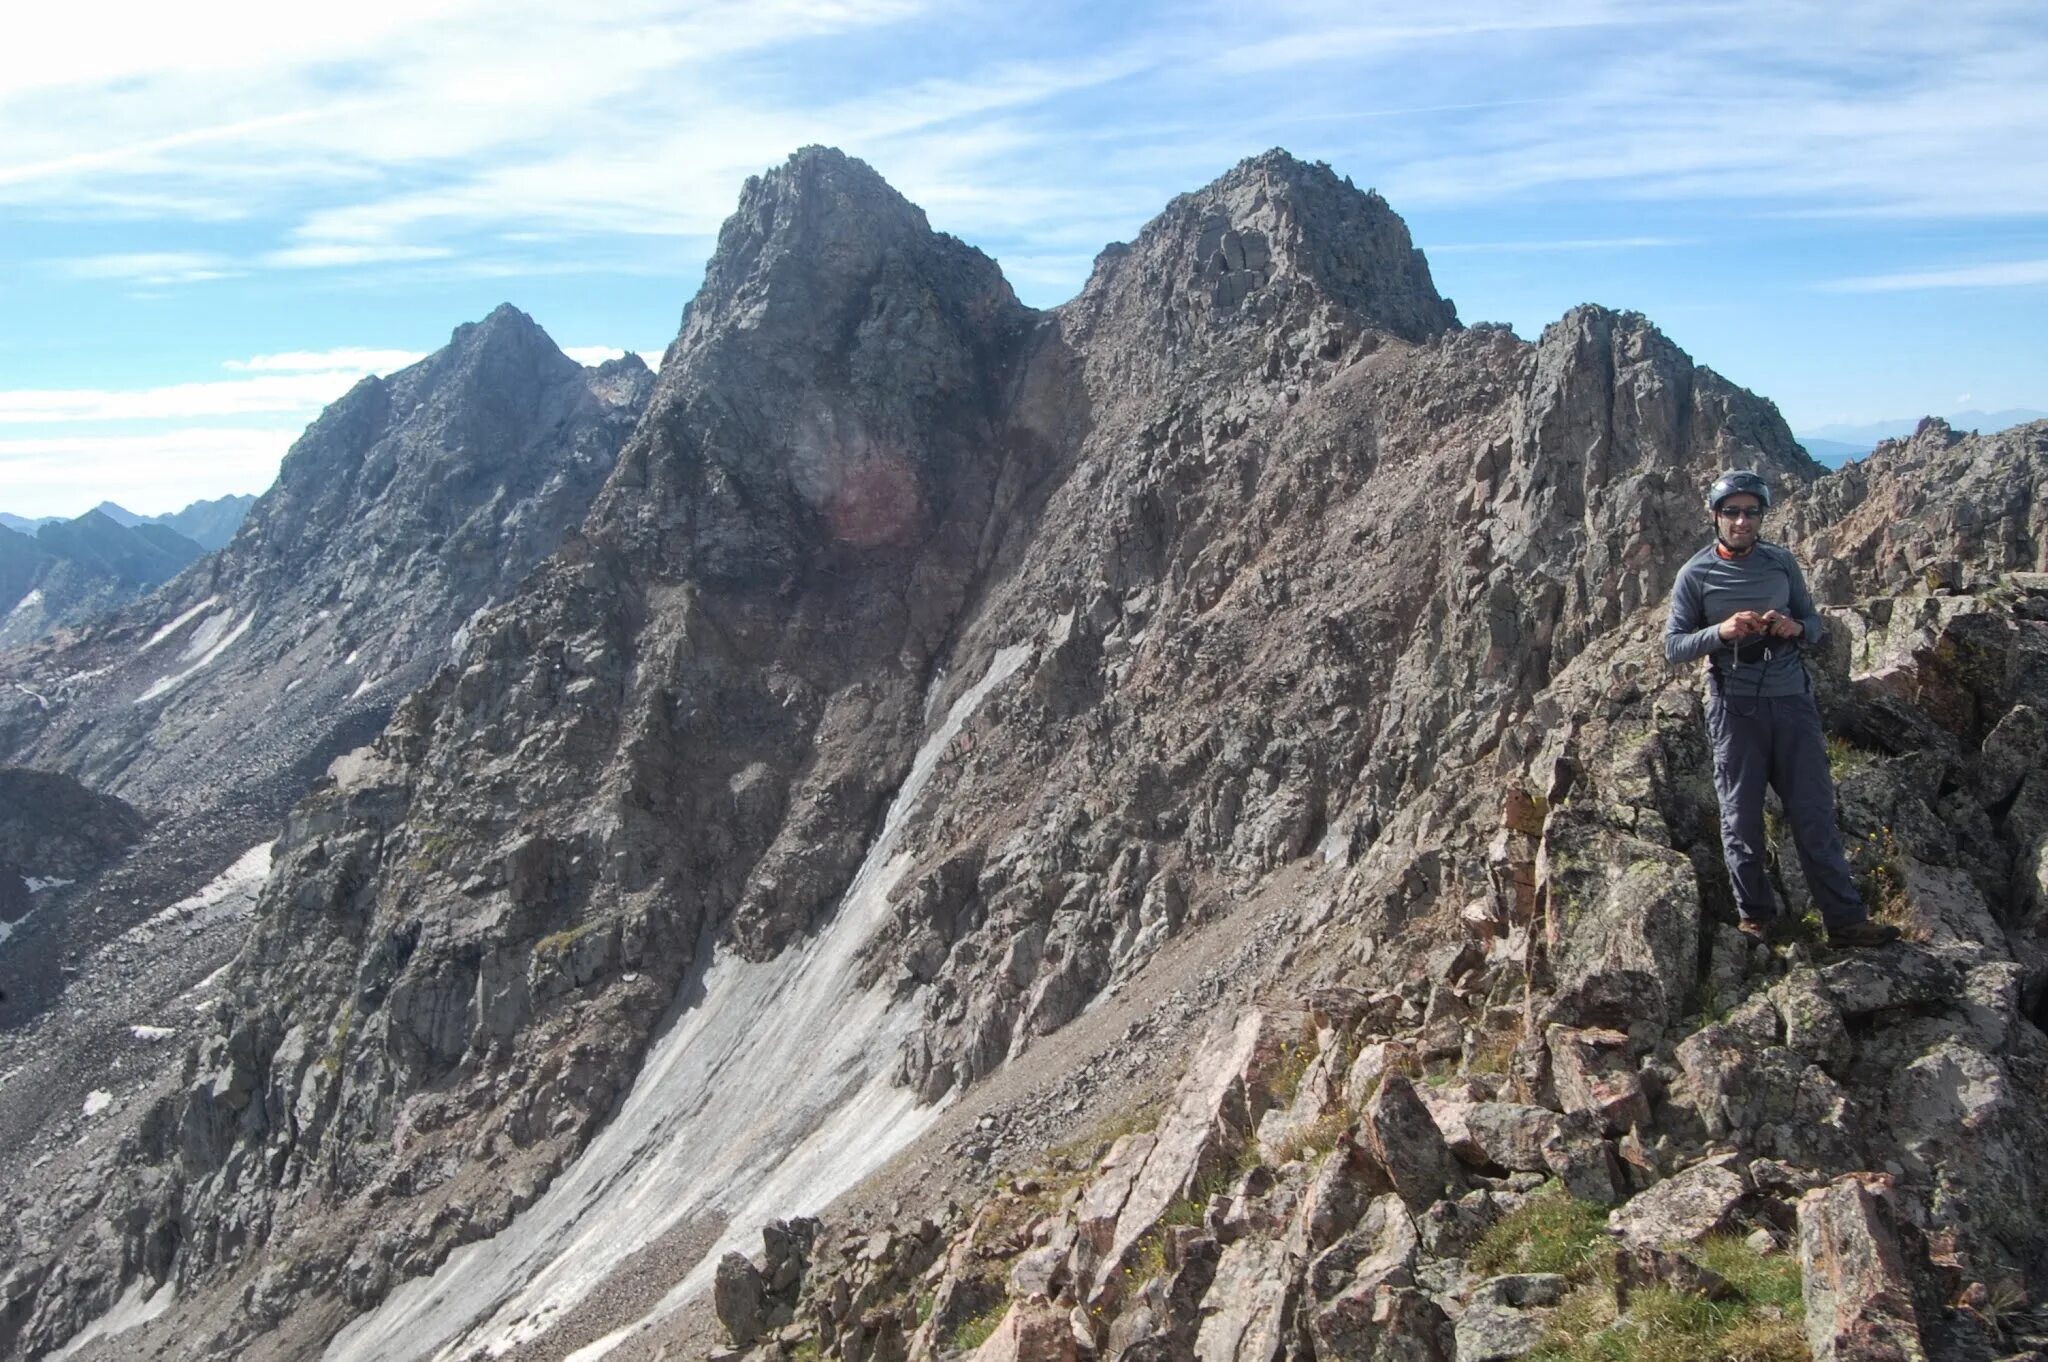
{"x":1308,"y":571}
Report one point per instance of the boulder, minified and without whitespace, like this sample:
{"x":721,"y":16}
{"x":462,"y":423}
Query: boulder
{"x":1381,"y":1251}
{"x":1245,"y":1316}
{"x":739,"y":1298}
{"x":1402,"y":1138}
{"x":1338,"y":1195}
{"x":1770,"y":1099}
{"x":1585,"y":1161}
{"x":1508,"y":1135}
{"x":1900,"y":976}
{"x":1498,"y":1333}
{"x":1449,"y":1229}
{"x":1521,"y":1290}
{"x":1623,"y":924}
{"x":1214,"y":1113}
{"x":1033,"y":1331}
{"x":1646,"y":1266}
{"x":1591,"y":1071}
{"x":1683,"y":1209}
{"x":1386,"y":1324}
{"x":1859,"y":1300}
{"x":1374,"y":1062}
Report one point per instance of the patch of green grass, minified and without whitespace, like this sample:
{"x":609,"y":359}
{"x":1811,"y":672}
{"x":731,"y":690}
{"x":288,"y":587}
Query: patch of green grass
{"x":337,"y":1047}
{"x":1550,"y":1232}
{"x":1845,"y":757}
{"x":1148,"y":1259}
{"x":972,"y":1333}
{"x":1318,"y":1135}
{"x":1294,"y":1062}
{"x":1879,"y":861}
{"x":1084,"y":1149}
{"x":1762,"y":1323}
{"x":807,"y":1350}
{"x":1776,"y":830}
{"x":1762,"y":1280}
{"x":1494,"y":1050}
{"x":1663,"y":1325}
{"x":558,"y":943}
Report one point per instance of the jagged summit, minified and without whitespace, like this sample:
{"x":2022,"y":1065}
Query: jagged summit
{"x":807,"y":230}
{"x":833,"y":388}
{"x":1273,"y":242}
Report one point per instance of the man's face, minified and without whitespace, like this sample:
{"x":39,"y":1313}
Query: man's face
{"x":1740,"y":520}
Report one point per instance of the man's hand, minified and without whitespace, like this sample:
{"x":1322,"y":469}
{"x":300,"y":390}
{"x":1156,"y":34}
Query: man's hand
{"x":1741,"y":625}
{"x":1782,"y":626}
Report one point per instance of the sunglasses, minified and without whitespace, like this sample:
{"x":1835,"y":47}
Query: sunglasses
{"x":1742,"y":512}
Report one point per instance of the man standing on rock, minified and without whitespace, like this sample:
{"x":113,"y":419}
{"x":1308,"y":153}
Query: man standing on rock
{"x":1743,"y":605}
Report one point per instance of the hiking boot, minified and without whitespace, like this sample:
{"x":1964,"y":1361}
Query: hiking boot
{"x":1765,"y":931}
{"x":1864,"y":933}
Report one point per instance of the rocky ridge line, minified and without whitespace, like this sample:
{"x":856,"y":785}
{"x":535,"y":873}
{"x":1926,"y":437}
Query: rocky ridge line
{"x":474,"y":928}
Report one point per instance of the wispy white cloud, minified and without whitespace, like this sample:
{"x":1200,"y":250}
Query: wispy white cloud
{"x":1322,"y":43}
{"x":332,"y":255}
{"x":151,"y":267}
{"x":259,"y":395}
{"x":295,"y":382}
{"x":352,"y":358}
{"x":1606,"y":243}
{"x":160,"y":472}
{"x":2000,"y":274}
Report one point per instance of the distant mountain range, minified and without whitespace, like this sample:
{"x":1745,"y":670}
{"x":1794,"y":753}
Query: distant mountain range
{"x":70,"y":569}
{"x":1838,"y":443}
{"x":209,"y":524}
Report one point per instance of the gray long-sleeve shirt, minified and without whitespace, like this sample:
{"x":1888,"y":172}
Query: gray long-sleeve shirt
{"x":1710,"y":588}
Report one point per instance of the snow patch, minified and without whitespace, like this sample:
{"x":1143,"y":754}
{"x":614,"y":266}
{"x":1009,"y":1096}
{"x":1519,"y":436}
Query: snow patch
{"x":460,"y":639}
{"x":200,"y":660}
{"x":37,"y":884}
{"x":360,"y":691}
{"x":33,"y":600}
{"x":732,"y":1116}
{"x":207,"y":635}
{"x":140,"y":1304}
{"x":179,"y":623}
{"x":152,"y":1033}
{"x":204,"y":984}
{"x":232,"y":893}
{"x":42,"y":701}
{"x":97,"y":1101}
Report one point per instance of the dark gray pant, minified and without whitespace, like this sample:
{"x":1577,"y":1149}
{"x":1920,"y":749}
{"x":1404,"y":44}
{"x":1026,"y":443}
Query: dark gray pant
{"x":1776,"y":741}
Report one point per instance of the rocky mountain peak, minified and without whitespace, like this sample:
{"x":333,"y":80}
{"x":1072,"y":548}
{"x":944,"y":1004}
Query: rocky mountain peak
{"x":835,"y":382}
{"x":1274,"y":245}
{"x":810,"y":229}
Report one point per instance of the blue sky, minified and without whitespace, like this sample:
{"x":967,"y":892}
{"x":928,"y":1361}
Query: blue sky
{"x":214,"y":216}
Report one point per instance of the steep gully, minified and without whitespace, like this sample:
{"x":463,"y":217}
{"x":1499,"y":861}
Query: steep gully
{"x":769,"y":1094}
